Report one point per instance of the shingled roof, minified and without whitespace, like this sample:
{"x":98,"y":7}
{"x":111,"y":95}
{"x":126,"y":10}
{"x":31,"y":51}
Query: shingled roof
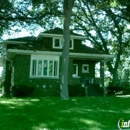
{"x":31,"y":43}
{"x":28,"y":43}
{"x":23,"y":39}
{"x":60,"y":31}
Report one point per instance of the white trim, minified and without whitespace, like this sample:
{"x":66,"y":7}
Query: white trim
{"x":72,"y":42}
{"x":59,"y":35}
{"x":83,"y":70}
{"x":14,"y":42}
{"x":78,"y":55}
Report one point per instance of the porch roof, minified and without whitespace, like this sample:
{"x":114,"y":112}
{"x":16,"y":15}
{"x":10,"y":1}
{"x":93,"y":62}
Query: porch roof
{"x":87,"y":56}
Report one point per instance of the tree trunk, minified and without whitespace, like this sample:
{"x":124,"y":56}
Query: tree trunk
{"x":114,"y":71}
{"x":68,"y":4}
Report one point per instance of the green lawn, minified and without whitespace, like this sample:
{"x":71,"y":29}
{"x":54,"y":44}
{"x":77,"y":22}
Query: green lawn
{"x":88,"y":113}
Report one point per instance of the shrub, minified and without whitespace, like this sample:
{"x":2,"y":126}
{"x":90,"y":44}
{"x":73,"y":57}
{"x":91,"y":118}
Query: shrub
{"x":111,"y":90}
{"x":22,"y":90}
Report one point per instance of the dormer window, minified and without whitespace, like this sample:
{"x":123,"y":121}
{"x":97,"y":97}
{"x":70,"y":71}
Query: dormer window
{"x":58,"y":43}
{"x":71,"y":44}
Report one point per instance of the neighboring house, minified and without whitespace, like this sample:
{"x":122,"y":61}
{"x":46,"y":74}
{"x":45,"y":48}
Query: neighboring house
{"x":36,"y":61}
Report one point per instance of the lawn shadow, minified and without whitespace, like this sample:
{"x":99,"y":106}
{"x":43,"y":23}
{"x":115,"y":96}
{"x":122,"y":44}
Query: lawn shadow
{"x":89,"y":113}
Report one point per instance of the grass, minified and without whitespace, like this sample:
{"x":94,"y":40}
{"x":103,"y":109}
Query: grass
{"x":88,"y":113}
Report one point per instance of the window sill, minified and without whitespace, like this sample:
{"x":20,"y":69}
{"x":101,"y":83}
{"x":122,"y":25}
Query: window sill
{"x":76,"y":77}
{"x":85,"y":72}
{"x":31,"y":77}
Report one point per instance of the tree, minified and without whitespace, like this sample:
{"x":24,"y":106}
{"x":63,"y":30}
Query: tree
{"x":64,"y":13}
{"x":68,"y":4}
{"x":15,"y":15}
{"x":124,"y":7}
{"x":104,"y":29}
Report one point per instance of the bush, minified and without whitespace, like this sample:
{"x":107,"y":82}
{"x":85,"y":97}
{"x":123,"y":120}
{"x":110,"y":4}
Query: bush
{"x":22,"y":90}
{"x":111,"y":90}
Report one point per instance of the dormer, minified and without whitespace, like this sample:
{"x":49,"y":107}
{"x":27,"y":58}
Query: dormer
{"x":57,"y":38}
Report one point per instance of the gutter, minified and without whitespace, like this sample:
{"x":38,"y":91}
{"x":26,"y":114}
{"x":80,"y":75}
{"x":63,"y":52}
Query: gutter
{"x":71,"y":54}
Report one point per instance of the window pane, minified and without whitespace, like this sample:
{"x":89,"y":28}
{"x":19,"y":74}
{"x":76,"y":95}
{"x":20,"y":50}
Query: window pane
{"x":45,"y":66}
{"x":39,"y":67}
{"x":34,"y":66}
{"x":57,"y":42}
{"x":51,"y":68}
{"x":55,"y":68}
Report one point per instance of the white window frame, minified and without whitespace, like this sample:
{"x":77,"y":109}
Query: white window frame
{"x":61,"y":43}
{"x":50,"y":59}
{"x":76,"y":73}
{"x":83,"y":70}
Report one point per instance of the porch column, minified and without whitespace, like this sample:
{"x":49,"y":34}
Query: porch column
{"x":102,"y":75}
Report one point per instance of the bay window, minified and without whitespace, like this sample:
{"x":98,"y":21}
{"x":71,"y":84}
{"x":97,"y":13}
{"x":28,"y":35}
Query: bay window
{"x":44,"y":66}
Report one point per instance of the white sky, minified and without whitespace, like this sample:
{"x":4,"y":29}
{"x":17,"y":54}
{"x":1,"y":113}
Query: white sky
{"x":23,"y":33}
{"x":1,"y":69}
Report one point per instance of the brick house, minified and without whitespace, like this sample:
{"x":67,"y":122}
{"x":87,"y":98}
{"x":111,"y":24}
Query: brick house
{"x":36,"y":61}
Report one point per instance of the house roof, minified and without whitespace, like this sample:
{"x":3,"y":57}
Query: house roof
{"x":30,"y":43}
{"x":85,"y":49}
{"x":35,"y":45}
{"x":22,"y":39}
{"x":25,"y":43}
{"x":60,"y":31}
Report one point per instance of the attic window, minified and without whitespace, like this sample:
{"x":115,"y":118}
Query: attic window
{"x":85,"y":68}
{"x":58,"y":43}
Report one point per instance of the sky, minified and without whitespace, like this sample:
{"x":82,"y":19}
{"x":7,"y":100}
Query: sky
{"x":1,"y":69}
{"x":23,"y":33}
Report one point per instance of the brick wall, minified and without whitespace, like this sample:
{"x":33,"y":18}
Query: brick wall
{"x":43,"y":86}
